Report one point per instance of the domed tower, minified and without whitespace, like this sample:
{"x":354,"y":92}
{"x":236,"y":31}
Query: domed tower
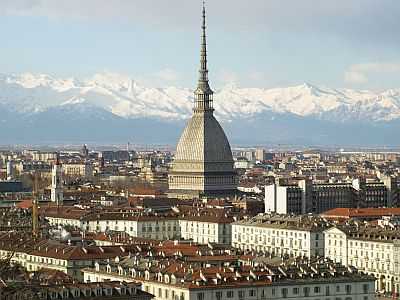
{"x":203,"y":164}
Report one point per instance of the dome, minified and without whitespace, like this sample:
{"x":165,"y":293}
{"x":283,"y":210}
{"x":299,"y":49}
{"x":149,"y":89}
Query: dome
{"x":204,"y":141}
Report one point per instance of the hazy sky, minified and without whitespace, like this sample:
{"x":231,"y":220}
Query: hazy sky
{"x":254,"y":43}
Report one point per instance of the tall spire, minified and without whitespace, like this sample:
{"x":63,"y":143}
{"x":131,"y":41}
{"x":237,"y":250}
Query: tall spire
{"x":203,"y":93}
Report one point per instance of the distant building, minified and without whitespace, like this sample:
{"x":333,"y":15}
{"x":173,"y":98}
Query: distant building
{"x":84,"y":170}
{"x":114,"y":155}
{"x":57,"y":184}
{"x":44,"y":156}
{"x":84,"y":151}
{"x":260,"y":154}
{"x":10,"y":170}
{"x":307,"y":197}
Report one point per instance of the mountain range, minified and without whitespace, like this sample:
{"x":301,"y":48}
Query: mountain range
{"x":113,"y":108}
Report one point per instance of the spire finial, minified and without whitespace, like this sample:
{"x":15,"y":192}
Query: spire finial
{"x":203,"y":93}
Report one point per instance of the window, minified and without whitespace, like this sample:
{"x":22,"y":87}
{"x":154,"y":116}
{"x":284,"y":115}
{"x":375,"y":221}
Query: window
{"x":306,"y":291}
{"x":200,"y":296}
{"x":295,"y":291}
{"x":327,"y":292}
{"x":218,"y":295}
{"x":348,"y":289}
{"x":317,"y":289}
{"x":241,"y":294}
{"x":284,"y":292}
{"x":252,"y":293}
{"x":229,"y":294}
{"x":365,"y":288}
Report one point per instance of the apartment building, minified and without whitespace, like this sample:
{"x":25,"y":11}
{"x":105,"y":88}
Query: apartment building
{"x":301,"y":279}
{"x":372,"y":249}
{"x":280,"y":235}
{"x":202,"y":225}
{"x":304,"y":196}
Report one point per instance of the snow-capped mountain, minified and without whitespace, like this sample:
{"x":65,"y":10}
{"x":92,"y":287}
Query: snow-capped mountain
{"x":28,"y":98}
{"x":123,"y":97}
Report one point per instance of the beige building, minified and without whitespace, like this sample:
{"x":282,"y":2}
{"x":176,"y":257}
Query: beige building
{"x":84,"y":170}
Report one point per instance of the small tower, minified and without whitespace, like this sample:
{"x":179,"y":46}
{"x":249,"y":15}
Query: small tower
{"x":35,"y":214}
{"x":56,"y":184}
{"x":10,"y":170}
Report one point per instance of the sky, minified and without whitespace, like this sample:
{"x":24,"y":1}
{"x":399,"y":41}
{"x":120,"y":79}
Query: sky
{"x":252,"y":43}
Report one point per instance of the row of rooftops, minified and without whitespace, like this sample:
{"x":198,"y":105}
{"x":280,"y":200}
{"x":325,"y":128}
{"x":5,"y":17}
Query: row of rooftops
{"x":180,"y":213}
{"x":192,"y":275}
{"x":292,"y":222}
{"x":103,"y":290}
{"x":364,"y":231}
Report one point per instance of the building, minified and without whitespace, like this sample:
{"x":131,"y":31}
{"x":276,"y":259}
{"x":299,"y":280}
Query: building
{"x":57,"y":184}
{"x":118,"y":156}
{"x":202,"y":226}
{"x":203,"y":164}
{"x":302,"y":279}
{"x":304,"y":196}
{"x":284,"y":199}
{"x":74,"y":170}
{"x":44,"y":156}
{"x":112,"y":290}
{"x":260,"y":154}
{"x":10,"y":170}
{"x":280,"y":235}
{"x":36,"y":254}
{"x":207,"y":226}
{"x":374,"y":250}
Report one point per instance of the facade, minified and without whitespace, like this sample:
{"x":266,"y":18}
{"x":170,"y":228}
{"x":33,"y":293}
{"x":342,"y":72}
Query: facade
{"x":200,"y":227}
{"x":280,"y":235}
{"x":203,"y":164}
{"x":44,"y":156}
{"x":373,"y":250}
{"x":84,"y":170}
{"x":180,"y":281}
{"x":207,"y":228}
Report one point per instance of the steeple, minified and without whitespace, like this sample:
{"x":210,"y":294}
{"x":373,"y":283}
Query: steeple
{"x":203,"y":94}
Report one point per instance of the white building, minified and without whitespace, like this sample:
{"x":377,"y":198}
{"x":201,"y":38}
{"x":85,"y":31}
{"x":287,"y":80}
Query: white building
{"x":280,"y":235}
{"x":179,"y":281}
{"x":373,"y":250}
{"x":199,"y":227}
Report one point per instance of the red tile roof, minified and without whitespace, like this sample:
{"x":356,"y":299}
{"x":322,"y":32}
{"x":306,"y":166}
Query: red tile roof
{"x":347,"y":213}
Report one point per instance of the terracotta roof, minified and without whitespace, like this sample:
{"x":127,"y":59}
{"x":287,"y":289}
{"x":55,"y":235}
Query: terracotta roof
{"x":348,"y":213}
{"x":25,"y":204}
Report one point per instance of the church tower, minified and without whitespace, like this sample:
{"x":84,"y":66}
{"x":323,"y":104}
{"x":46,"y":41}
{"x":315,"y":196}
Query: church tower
{"x":56,"y":184}
{"x":203,"y":164}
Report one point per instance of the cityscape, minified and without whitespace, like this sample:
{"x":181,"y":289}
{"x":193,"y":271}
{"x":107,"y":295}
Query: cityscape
{"x":211,"y":216}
